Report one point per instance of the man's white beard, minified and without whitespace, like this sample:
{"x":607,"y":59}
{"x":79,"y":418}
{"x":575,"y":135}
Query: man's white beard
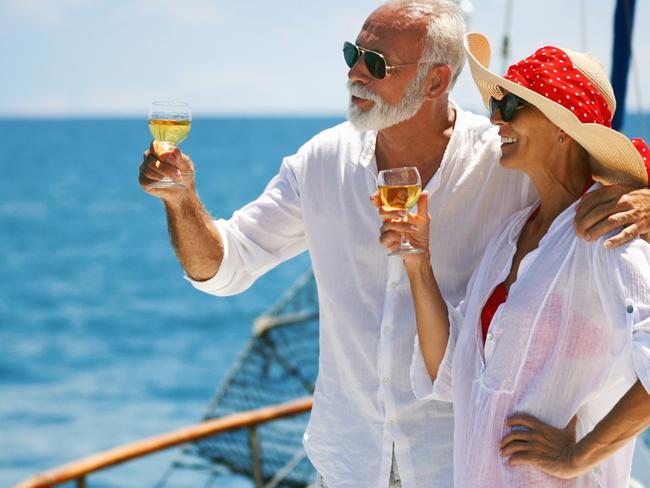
{"x":383,"y":115}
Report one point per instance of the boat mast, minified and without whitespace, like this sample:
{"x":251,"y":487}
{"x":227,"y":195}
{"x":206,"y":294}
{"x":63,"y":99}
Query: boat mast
{"x":505,"y":46}
{"x":622,"y":55}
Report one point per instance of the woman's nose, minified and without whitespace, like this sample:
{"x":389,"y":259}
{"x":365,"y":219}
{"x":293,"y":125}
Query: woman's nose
{"x":496,"y":118}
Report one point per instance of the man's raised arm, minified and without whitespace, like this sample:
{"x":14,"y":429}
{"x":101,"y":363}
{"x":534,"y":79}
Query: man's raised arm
{"x":195,"y":238}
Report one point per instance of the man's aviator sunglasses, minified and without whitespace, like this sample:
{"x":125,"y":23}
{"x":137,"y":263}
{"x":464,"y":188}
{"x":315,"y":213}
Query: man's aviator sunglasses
{"x":375,"y":62}
{"x":508,"y":106}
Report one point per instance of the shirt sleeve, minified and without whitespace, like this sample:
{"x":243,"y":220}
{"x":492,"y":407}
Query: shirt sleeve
{"x":440,"y":389}
{"x":625,"y":271}
{"x":262,"y":234}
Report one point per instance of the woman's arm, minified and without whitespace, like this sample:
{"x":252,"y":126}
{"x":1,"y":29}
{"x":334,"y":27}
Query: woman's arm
{"x":556,"y":452}
{"x":430,"y":312}
{"x":430,"y":308}
{"x":629,"y":417}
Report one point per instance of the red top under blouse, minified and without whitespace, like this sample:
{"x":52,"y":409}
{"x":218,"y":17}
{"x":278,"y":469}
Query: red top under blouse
{"x":499,"y":296}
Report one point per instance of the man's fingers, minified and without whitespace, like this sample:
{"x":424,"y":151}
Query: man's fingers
{"x":596,"y":215}
{"x":594,"y":206}
{"x":166,"y":169}
{"x":589,"y":201}
{"x":147,"y":179}
{"x":150,"y":171}
{"x":626,"y":235}
{"x":598,"y":205}
{"x":174,"y":156}
{"x":608,"y":224}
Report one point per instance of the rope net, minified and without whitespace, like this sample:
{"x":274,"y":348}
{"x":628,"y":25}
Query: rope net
{"x":278,"y":364}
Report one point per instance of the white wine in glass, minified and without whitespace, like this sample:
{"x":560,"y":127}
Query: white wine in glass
{"x":169,"y":124}
{"x":400,"y":189}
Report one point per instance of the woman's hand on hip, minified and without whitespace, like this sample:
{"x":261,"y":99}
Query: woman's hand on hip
{"x":548,"y":449}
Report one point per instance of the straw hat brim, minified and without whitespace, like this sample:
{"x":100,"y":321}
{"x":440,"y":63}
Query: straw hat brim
{"x":614,"y":159}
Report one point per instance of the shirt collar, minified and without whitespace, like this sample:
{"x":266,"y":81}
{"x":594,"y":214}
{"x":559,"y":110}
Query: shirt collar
{"x":367,"y":158}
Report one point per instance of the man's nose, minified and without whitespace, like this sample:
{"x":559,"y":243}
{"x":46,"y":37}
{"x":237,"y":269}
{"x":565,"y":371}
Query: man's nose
{"x":359,"y":72}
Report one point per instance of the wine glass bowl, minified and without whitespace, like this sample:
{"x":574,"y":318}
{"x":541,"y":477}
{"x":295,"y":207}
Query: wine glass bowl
{"x":169,"y":124}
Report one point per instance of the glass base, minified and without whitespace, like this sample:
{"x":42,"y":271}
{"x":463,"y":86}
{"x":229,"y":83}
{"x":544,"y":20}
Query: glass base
{"x":403,"y":251}
{"x":167,"y":183}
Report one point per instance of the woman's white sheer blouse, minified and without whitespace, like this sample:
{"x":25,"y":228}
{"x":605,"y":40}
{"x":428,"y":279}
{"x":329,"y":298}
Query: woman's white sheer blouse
{"x":572,"y":338}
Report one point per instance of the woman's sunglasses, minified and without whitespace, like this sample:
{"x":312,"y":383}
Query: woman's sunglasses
{"x":508,"y":106}
{"x":375,"y":62}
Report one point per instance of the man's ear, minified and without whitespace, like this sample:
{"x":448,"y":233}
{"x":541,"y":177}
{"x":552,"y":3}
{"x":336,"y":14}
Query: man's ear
{"x":437,"y":81}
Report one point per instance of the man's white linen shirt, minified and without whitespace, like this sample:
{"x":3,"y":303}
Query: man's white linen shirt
{"x":363,"y":401}
{"x":572,"y":338}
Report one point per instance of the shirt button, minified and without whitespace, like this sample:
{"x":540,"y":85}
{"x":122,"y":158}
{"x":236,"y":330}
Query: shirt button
{"x":390,"y":424}
{"x":489,"y":336}
{"x":388,"y":329}
{"x":386,"y":380}
{"x":392,"y":286}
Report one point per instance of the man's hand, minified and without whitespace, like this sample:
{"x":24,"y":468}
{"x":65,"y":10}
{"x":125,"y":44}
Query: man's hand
{"x":550,"y":450}
{"x":157,"y":165}
{"x":612,"y":207}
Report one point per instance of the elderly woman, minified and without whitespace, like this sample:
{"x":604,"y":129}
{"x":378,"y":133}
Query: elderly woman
{"x":547,"y":360}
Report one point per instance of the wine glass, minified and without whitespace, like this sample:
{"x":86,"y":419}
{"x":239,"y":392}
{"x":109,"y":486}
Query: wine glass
{"x":169,"y":123}
{"x":399,"y":189}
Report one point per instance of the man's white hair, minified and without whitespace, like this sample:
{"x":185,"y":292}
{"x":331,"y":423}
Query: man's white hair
{"x":446,"y":27}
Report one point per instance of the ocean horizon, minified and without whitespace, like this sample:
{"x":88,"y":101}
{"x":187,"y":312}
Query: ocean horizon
{"x":102,"y":341}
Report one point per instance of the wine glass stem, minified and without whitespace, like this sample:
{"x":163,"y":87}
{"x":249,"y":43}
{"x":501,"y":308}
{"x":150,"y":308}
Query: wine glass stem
{"x":404,"y":237}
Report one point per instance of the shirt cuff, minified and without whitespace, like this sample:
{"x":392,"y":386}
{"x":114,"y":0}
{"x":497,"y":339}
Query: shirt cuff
{"x":423,"y":387}
{"x":218,"y":284}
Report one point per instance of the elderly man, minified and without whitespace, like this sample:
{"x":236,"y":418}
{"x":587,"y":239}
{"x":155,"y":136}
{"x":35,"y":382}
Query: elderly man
{"x":366,"y":423}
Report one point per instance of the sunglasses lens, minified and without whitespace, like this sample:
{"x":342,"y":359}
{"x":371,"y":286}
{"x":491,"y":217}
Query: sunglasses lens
{"x":508,"y":107}
{"x":494,"y":105}
{"x":375,"y":64}
{"x":350,"y":53}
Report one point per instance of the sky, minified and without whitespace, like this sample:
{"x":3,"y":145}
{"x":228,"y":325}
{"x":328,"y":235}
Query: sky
{"x":112,"y":57}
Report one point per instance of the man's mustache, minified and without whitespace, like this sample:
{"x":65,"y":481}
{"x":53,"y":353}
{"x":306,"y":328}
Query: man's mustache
{"x":363,"y":92}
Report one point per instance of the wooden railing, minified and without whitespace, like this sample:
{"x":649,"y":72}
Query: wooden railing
{"x":78,"y":470}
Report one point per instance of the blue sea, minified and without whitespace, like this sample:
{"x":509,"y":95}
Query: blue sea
{"x":102,"y":341}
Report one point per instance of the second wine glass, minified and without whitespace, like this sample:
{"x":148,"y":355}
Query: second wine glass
{"x":399,"y":189}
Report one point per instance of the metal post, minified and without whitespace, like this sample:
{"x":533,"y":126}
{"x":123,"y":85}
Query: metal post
{"x":81,"y":482}
{"x":254,"y":443}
